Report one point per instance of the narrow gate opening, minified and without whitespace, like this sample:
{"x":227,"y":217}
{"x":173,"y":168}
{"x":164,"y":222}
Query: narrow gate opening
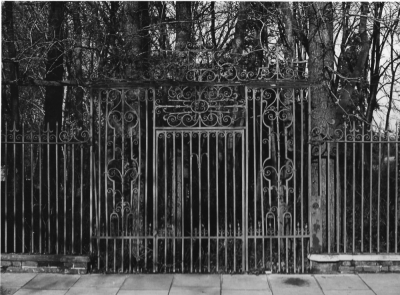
{"x":200,"y":185}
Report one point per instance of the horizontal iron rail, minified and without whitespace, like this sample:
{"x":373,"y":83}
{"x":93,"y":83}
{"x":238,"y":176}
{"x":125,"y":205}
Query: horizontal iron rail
{"x":46,"y":143}
{"x":253,"y":84}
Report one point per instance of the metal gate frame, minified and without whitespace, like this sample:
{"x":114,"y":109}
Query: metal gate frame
{"x":265,"y":236}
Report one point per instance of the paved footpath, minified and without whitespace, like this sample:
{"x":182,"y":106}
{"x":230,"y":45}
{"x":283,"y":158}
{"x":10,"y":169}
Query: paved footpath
{"x":56,"y":284}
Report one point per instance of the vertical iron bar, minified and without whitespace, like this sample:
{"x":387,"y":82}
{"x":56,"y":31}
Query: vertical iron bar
{"x":396,"y":196}
{"x":379,"y":189}
{"x":182,"y":203}
{"x":48,"y":188}
{"x":174,"y":195}
{"x":165,"y":199}
{"x":370,"y":191}
{"x":32,"y":215}
{"x":114,"y":201}
{"x":91,"y":172}
{"x":23,"y":188}
{"x":287,"y":200}
{"x":6,"y":192}
{"x":245,"y":212}
{"x":216,"y":177}
{"x":106,"y":161}
{"x":226,"y":197}
{"x":57,"y":171}
{"x":279,"y":184}
{"x":337,"y":200}
{"x":345,"y":192}
{"x":261,"y":118}
{"x":146,"y":177}
{"x":208,"y":198}
{"x":139,"y":139}
{"x":388,"y":193}
{"x":155,"y":193}
{"x":191,"y":200}
{"x":354,"y":186}
{"x":40,"y":193}
{"x":123,"y":98}
{"x":81,"y":205}
{"x":309,"y":166}
{"x":73,"y":201}
{"x":199,"y":188}
{"x":302,"y":140}
{"x":244,"y":198}
{"x":14,"y":189}
{"x":255,"y":179}
{"x":362,"y":187}
{"x":327,"y":194}
{"x":98,"y":195}
{"x":234,"y":197}
{"x":294,"y":180}
{"x":65,"y":199}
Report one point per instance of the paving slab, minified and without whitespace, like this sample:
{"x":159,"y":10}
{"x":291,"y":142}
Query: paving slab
{"x":181,"y":280}
{"x":194,"y":291}
{"x":292,"y":281}
{"x":376,"y":280}
{"x":52,"y":282}
{"x":12,"y":280}
{"x":92,"y":291}
{"x":385,"y":291}
{"x":348,"y":292}
{"x":341,"y":282}
{"x":300,"y":291}
{"x":40,"y":292}
{"x":8,"y":291}
{"x":247,"y":292}
{"x":100,"y":281}
{"x":245,"y":282}
{"x":143,"y":292}
{"x":148,"y":282}
{"x":290,"y":284}
{"x":383,"y":284}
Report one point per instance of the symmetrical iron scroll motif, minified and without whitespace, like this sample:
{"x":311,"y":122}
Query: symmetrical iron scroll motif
{"x":278,"y":213}
{"x":196,"y":106}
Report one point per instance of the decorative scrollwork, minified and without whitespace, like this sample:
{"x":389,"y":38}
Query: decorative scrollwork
{"x":208,"y":106}
{"x":203,"y":64}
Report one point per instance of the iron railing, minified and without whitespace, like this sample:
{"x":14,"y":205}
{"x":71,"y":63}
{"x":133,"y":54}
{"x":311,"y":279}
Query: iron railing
{"x":44,"y":193}
{"x":205,"y":164}
{"x":363,"y":216}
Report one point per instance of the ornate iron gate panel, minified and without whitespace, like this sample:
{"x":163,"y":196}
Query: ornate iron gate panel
{"x":277,"y":128}
{"x":121,"y":168}
{"x":199,"y":200}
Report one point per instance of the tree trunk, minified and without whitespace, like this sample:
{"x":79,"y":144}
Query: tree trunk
{"x":13,"y":67}
{"x":358,"y":71}
{"x":240,"y":28}
{"x":77,"y":60}
{"x":323,"y":123}
{"x":54,"y":66}
{"x":183,"y":28}
{"x":136,"y":38}
{"x":53,"y":105}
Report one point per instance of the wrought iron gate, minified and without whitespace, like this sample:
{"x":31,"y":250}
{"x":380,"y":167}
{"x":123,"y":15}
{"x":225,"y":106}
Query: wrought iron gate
{"x":199,"y":194}
{"x":200,"y":178}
